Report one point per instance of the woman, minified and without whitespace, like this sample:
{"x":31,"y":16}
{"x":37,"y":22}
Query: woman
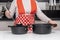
{"x":25,"y":12}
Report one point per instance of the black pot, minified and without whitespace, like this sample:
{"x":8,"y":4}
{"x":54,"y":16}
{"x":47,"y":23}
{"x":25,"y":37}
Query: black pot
{"x":18,"y":29}
{"x":42,"y":28}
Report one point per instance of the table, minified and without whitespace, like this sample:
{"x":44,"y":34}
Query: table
{"x":7,"y":35}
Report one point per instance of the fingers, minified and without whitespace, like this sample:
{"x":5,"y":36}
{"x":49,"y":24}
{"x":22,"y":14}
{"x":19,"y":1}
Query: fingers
{"x":7,"y":14}
{"x":54,"y":25}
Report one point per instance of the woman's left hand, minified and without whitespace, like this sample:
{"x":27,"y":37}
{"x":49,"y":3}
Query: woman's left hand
{"x":53,"y":23}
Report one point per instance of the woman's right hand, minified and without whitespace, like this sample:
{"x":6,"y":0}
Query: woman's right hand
{"x":7,"y":13}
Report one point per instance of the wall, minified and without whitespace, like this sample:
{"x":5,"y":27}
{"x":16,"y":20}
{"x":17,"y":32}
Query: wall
{"x":2,"y":4}
{"x":42,"y":5}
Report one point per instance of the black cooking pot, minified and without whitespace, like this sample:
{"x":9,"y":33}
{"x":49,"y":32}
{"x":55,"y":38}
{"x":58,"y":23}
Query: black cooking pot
{"x":19,"y":29}
{"x":42,"y":28}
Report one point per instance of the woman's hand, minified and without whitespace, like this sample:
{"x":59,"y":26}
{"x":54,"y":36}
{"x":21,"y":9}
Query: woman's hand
{"x":7,"y":13}
{"x":53,"y":23}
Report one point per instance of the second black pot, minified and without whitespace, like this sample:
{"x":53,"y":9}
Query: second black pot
{"x":42,"y":28}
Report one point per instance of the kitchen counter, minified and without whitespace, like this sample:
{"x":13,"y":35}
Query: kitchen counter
{"x":7,"y":35}
{"x":4,"y":24}
{"x":5,"y":19}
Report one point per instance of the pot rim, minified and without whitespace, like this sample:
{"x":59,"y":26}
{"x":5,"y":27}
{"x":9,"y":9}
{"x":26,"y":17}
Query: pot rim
{"x":16,"y":26}
{"x":42,"y":24}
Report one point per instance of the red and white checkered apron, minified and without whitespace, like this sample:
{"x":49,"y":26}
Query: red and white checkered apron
{"x":25,"y":18}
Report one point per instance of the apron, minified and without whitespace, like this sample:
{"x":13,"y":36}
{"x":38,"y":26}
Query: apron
{"x":24,"y":18}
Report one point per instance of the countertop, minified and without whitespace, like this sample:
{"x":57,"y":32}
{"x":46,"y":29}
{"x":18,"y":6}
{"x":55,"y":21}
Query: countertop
{"x":7,"y":35}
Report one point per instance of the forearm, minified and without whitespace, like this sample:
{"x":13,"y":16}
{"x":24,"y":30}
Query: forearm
{"x":43,"y":17}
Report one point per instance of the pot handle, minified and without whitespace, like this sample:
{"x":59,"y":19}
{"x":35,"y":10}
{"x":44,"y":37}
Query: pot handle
{"x":11,"y":26}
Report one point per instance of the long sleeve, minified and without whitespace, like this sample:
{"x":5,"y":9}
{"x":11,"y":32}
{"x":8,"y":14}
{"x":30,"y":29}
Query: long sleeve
{"x":41,"y":15}
{"x":12,"y":8}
